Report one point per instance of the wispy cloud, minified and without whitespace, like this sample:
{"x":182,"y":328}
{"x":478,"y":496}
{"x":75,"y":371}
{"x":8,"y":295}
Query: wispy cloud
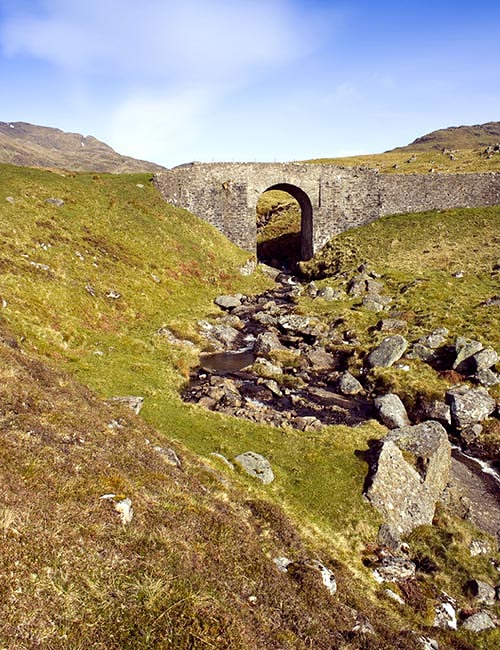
{"x":161,"y":38}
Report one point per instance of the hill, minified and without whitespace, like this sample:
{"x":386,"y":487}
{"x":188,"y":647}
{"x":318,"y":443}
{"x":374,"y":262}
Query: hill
{"x":29,"y":145}
{"x":104,"y":293}
{"x":457,"y":149}
{"x":457,"y":137}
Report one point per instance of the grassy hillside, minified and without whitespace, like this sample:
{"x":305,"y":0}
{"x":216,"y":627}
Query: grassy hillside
{"x":457,"y":137}
{"x":457,"y":149}
{"x":420,"y":161}
{"x":84,"y":289}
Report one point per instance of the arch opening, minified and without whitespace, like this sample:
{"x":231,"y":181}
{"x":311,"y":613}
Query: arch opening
{"x":284,"y":226}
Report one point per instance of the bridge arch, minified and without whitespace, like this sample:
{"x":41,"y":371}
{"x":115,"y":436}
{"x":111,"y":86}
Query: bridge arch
{"x":306,"y":218}
{"x":332,"y":198}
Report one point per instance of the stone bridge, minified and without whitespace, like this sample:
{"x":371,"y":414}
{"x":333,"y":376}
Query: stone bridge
{"x":332,"y":198}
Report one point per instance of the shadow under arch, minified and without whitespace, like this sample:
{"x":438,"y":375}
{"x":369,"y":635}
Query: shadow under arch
{"x":304,"y":248}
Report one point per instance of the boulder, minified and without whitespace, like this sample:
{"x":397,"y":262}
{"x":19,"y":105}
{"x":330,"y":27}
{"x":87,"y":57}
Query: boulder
{"x":228,"y":302}
{"x":478,"y":622}
{"x":434,"y":410}
{"x":392,"y":325}
{"x":391,"y":411}
{"x":435,"y":339}
{"x":409,"y":475}
{"x":394,"y":568}
{"x":349,"y":385}
{"x":445,"y":616}
{"x":469,"y":405}
{"x":267,"y":342}
{"x":465,"y":349}
{"x":255,"y":465}
{"x":482,"y":592}
{"x":320,"y":359}
{"x":388,"y":352}
{"x":487,"y":377}
{"x":483,"y":359}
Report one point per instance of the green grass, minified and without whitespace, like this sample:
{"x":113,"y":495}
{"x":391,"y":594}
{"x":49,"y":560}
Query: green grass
{"x":181,"y":576}
{"x":126,"y":235}
{"x":421,"y":162}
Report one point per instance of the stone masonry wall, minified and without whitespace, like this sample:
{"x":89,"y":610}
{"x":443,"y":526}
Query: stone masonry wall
{"x":226,"y":194}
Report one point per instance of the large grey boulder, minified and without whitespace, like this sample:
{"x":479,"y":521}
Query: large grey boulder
{"x":410,"y":474}
{"x":391,"y":411}
{"x":255,"y":465}
{"x":478,"y":622}
{"x":469,"y":406}
{"x":388,"y":352}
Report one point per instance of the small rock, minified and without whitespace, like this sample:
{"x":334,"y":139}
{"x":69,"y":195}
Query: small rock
{"x":391,"y":411}
{"x":228,"y":302}
{"x":389,"y":537}
{"x":435,"y":339}
{"x":471,"y":432}
{"x":282,"y":563}
{"x":307,"y":423}
{"x":434,"y":410}
{"x":394,"y":596}
{"x":392,"y":325}
{"x":265,"y":368}
{"x":223,"y":459}
{"x":10,"y":199}
{"x":132,"y":401}
{"x":57,"y":202}
{"x":427,"y":643}
{"x":90,"y":290}
{"x":479,"y":547}
{"x":169,"y":456}
{"x":267,"y":342}
{"x":394,"y":569}
{"x":478,"y":622}
{"x":311,"y":290}
{"x":388,"y":352}
{"x":255,"y":465}
{"x":445,"y":616}
{"x":329,"y":294}
{"x":349,"y":385}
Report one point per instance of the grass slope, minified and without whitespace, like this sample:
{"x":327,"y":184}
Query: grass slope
{"x":84,"y":289}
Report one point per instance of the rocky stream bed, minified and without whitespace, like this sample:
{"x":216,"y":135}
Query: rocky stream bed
{"x":271,"y":364}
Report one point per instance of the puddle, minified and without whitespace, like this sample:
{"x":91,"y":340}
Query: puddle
{"x":227,"y":361}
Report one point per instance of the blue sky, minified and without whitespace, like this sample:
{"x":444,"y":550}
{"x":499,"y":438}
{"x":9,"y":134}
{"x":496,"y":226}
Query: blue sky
{"x":180,"y":80}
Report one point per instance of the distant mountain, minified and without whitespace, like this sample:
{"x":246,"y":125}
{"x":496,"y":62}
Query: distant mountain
{"x":456,"y":137}
{"x":29,"y":145}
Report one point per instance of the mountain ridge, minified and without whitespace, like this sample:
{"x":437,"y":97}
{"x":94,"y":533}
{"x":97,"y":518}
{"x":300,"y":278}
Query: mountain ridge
{"x":30,"y":145}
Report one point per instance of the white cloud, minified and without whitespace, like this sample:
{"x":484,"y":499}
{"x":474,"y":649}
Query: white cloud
{"x":159,"y":127}
{"x":162,"y":38}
